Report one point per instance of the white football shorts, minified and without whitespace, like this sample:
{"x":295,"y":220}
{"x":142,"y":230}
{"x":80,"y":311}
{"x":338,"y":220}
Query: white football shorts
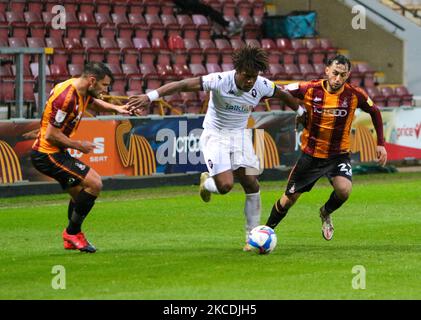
{"x":225,"y":150}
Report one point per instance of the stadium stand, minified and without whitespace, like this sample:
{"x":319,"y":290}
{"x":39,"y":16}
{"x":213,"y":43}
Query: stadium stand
{"x":146,"y":43}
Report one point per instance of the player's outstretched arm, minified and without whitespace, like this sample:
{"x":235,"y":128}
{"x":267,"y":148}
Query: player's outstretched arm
{"x":190,"y":84}
{"x":103,"y":106}
{"x":289,"y":100}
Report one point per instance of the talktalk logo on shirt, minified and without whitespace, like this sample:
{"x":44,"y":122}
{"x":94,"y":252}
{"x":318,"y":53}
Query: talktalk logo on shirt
{"x":237,"y":108}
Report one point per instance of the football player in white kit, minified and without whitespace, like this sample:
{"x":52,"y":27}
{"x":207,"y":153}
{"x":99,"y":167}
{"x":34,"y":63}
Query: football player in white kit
{"x":226,"y":144}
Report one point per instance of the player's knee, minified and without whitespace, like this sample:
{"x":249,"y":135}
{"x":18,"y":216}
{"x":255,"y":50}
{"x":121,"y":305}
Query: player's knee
{"x":251,"y":187}
{"x":94,"y":184}
{"x":224,"y":188}
{"x":343,"y":193}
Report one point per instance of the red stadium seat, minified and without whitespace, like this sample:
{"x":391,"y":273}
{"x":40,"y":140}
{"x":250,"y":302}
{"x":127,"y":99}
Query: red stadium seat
{"x":293,"y":72}
{"x":182,"y":70}
{"x":392,"y":99}
{"x":147,"y":54}
{"x":194,"y":50}
{"x":129,"y":52}
{"x":187,"y":26}
{"x":111,"y":50}
{"x":197,"y":69}
{"x":93,"y":51}
{"x":210,"y":51}
{"x":227,"y":67}
{"x":203,"y":25}
{"x":406,"y":97}
{"x":376,"y":96}
{"x":213,"y":67}
{"x":288,"y":52}
{"x":75,"y":70}
{"x":308,"y":72}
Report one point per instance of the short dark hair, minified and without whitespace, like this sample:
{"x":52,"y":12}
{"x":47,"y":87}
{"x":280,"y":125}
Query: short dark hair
{"x":97,"y":69}
{"x":339,"y":59}
{"x":250,"y":58}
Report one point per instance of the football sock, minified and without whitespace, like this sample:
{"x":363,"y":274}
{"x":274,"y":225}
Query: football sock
{"x":70,"y":209}
{"x":333,"y":203}
{"x":84,"y":203}
{"x":210,"y":185}
{"x":276,"y":215}
{"x":252,"y":211}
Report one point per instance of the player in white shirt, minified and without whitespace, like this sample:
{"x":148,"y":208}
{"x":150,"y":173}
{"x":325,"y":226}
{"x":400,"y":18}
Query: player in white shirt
{"x":226,"y":144}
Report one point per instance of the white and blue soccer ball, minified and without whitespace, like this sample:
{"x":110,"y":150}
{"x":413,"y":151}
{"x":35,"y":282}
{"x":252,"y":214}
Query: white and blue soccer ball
{"x":262,"y":239}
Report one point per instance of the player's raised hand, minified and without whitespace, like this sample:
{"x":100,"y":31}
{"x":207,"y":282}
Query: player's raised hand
{"x":136,"y":102}
{"x":381,"y":155}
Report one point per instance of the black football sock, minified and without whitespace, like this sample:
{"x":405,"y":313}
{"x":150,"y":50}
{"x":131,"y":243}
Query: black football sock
{"x":277,"y":214}
{"x":70,"y":209}
{"x":333,"y":203}
{"x":84,"y":203}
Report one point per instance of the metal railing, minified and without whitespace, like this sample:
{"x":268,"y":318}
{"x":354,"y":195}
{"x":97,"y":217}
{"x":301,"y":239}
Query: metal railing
{"x":19,"y":53}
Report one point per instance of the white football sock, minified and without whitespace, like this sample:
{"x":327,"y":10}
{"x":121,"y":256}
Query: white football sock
{"x":252,"y":211}
{"x":210,"y":185}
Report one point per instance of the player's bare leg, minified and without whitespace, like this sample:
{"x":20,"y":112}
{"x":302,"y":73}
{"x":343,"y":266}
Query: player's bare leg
{"x":253,"y":206}
{"x":221,"y":183}
{"x":84,"y":197}
{"x":342,"y":189}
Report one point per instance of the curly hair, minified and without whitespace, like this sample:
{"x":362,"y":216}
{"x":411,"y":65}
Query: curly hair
{"x":250,"y":58}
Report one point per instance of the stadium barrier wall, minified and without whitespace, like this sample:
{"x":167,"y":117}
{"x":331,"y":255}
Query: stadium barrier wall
{"x":159,"y":146}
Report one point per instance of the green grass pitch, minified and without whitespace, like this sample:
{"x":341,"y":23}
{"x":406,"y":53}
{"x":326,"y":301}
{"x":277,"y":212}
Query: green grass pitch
{"x":165,"y":243}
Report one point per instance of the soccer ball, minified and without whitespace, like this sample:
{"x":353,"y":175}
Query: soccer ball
{"x":262,"y":239}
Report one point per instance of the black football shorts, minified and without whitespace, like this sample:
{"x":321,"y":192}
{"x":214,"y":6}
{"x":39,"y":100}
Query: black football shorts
{"x":68,"y":171}
{"x":308,"y":170}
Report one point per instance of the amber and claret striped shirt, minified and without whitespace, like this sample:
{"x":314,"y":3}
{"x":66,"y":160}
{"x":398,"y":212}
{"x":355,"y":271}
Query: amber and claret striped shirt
{"x":330,"y":116}
{"x":63,"y":110}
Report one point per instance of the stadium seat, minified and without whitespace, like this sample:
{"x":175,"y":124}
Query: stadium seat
{"x":151,"y":7}
{"x":225,"y":50}
{"x":147,"y":54}
{"x":392,"y":99}
{"x":129,"y":52}
{"x":303,"y":54}
{"x":92,"y":49}
{"x":213,"y":67}
{"x":308,"y":72}
{"x":210,"y":51}
{"x":75,"y":70}
{"x":155,"y":25}
{"x":406,"y":97}
{"x":227,"y":67}
{"x":276,"y":72}
{"x":141,"y":30}
{"x":376,"y":96}
{"x":194,"y":50}
{"x":150,"y":75}
{"x":269,"y":45}
{"x":237,"y":44}
{"x":111,"y":50}
{"x":17,"y":23}
{"x":197,"y":69}
{"x":187,"y":26}
{"x":320,"y":68}
{"x":75,"y":49}
{"x":35,"y":24}
{"x":293,"y":72}
{"x":367,"y":72}
{"x":88,"y":23}
{"x":182,"y":70}
{"x":203,"y":25}
{"x":171,"y":24}
{"x":288,"y":53}
{"x":59,"y":72}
